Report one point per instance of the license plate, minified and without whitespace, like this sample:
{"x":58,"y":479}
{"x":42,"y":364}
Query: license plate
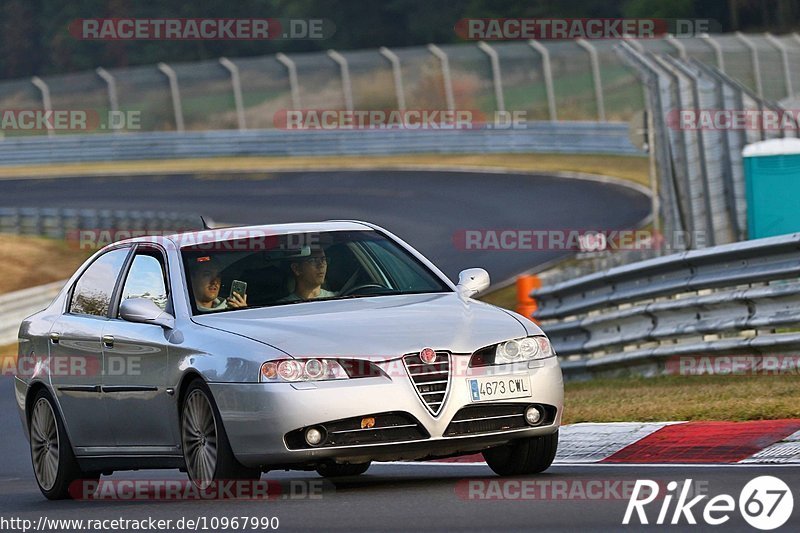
{"x":499,"y":388}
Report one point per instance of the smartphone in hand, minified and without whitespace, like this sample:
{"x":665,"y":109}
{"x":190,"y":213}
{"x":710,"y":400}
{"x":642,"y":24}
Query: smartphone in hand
{"x":239,"y":287}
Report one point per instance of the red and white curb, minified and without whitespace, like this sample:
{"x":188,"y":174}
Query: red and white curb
{"x":702,"y":442}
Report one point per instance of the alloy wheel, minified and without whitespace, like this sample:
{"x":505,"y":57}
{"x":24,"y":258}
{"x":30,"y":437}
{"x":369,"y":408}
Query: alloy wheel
{"x":44,"y":444}
{"x":199,"y":431}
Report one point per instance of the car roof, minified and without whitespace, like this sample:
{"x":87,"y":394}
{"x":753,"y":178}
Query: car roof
{"x":240,"y":232}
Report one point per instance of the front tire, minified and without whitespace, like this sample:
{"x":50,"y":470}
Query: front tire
{"x":206,"y":449}
{"x":54,"y":463}
{"x":523,"y":456}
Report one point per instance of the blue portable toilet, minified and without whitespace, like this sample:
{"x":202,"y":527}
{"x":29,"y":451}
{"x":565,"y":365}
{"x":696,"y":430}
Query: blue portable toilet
{"x":772,"y":179}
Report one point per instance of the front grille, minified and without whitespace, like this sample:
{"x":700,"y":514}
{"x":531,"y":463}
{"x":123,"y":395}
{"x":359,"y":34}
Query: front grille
{"x":389,"y":427}
{"x":432,"y":381}
{"x":489,"y":418}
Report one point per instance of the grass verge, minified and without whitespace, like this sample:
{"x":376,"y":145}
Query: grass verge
{"x":631,"y":168}
{"x":30,"y":261}
{"x":719,"y":397}
{"x":505,"y":297}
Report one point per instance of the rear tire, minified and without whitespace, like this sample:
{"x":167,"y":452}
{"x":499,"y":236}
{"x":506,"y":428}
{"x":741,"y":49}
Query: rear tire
{"x":342,"y":470}
{"x":206,"y":449}
{"x":524,"y":456}
{"x":54,"y":465}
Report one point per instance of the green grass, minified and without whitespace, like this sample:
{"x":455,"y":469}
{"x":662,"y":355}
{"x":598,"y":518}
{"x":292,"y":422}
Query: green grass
{"x":505,"y":297}
{"x":719,"y":397}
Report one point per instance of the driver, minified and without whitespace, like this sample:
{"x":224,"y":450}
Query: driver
{"x":309,"y":275}
{"x":206,"y":281}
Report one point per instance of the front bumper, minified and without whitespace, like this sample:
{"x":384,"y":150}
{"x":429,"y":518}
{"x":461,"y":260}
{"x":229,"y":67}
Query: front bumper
{"x":258,"y":416}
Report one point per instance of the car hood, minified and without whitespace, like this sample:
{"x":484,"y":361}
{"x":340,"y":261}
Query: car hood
{"x":378,"y":328}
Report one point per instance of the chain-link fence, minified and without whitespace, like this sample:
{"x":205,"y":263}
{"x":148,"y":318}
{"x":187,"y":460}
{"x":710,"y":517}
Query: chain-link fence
{"x":549,"y":80}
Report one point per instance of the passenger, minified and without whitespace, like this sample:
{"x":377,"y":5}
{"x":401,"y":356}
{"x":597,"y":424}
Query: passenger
{"x":309,"y":275}
{"x":206,"y":282}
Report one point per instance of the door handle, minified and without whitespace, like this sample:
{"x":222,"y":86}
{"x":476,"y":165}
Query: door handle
{"x":55,"y":337}
{"x":108,"y":341}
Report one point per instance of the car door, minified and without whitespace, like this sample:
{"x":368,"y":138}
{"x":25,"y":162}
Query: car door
{"x":76,"y":364}
{"x":135,"y":391}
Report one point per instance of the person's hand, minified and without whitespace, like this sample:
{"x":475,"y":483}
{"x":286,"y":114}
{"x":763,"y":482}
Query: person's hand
{"x":236,"y":300}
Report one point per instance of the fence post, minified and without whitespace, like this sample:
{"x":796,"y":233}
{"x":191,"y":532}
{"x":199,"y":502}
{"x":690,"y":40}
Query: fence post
{"x":787,"y":75}
{"x":496,"y":78}
{"x":397,"y":74}
{"x":175,"y":92}
{"x":635,"y":44}
{"x":448,"y":84}
{"x":677,"y":45}
{"x":756,"y":65}
{"x":294,"y":86}
{"x":717,"y":50}
{"x":113,"y":101}
{"x":598,"y":82}
{"x":46,"y":103}
{"x":671,"y":206}
{"x":347,"y":87}
{"x":547,"y":72}
{"x":236,"y":83}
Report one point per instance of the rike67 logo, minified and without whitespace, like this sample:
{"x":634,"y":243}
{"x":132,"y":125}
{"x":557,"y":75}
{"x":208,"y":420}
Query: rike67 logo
{"x":765,"y":503}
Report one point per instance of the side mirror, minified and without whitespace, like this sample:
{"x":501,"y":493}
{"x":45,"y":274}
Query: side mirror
{"x":472,"y":281}
{"x":145,"y":311}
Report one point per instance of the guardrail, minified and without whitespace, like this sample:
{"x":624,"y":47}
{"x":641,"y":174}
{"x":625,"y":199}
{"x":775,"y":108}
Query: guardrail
{"x":545,"y":137}
{"x":735,"y":298}
{"x":63,"y":223}
{"x":16,"y":306}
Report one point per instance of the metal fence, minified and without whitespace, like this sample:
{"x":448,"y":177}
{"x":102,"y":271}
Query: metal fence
{"x":735,"y":298}
{"x":549,"y":80}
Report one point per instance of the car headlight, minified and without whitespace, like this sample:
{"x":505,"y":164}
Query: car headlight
{"x":294,"y":370}
{"x":513,"y":351}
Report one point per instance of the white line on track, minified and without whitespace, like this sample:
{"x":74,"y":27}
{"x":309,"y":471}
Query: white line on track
{"x":628,"y":465}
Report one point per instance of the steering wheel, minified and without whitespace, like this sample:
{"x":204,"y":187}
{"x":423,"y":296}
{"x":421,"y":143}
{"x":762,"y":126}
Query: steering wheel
{"x":358,"y":288}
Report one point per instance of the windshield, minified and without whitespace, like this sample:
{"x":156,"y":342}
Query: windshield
{"x":295,"y":268}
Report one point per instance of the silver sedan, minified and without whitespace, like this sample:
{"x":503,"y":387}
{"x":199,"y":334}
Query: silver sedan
{"x":322,"y":346}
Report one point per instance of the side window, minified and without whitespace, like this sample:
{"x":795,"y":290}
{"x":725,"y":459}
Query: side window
{"x":92,"y":292}
{"x":146,"y":280}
